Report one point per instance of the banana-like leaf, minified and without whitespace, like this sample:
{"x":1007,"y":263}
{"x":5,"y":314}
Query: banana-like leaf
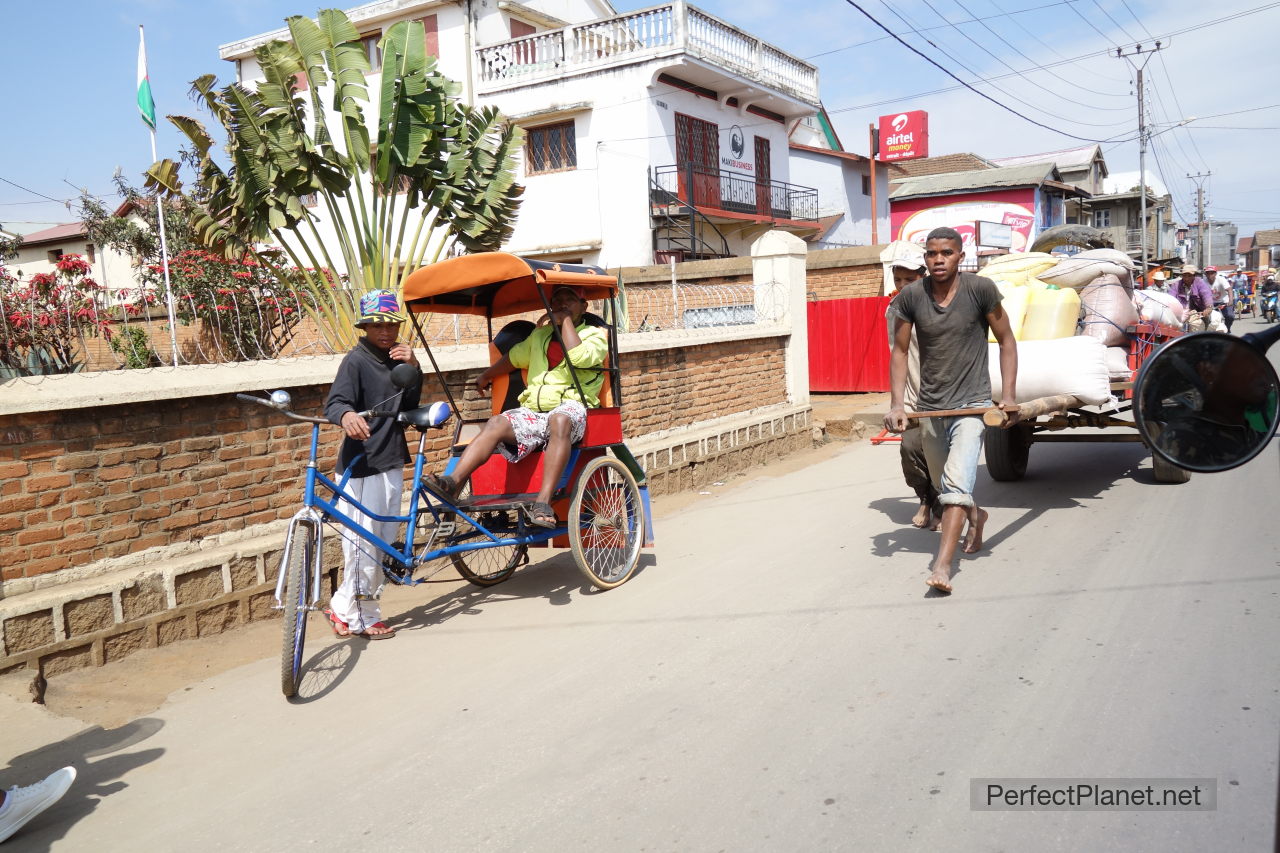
{"x":163,"y":175}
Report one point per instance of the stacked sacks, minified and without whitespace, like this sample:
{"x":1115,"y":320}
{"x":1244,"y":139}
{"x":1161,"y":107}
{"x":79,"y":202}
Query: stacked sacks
{"x":1018,"y":269}
{"x":1155,"y":306}
{"x":1075,"y":365}
{"x":1080,"y":271}
{"x":1108,"y":311}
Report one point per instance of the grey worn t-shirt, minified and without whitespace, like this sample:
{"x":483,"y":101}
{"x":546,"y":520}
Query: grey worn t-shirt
{"x":953,"y":341}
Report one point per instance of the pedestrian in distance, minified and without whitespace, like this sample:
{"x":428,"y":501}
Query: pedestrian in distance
{"x":951,"y":313}
{"x":915,"y":467}
{"x":1224,"y":297}
{"x":1196,"y":296}
{"x":376,"y":453}
{"x":18,"y":806}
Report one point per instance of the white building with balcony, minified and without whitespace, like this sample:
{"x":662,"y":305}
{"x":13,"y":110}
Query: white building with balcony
{"x":654,"y":135}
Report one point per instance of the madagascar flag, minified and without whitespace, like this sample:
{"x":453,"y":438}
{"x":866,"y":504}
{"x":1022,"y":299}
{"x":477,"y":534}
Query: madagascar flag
{"x":146,"y":104}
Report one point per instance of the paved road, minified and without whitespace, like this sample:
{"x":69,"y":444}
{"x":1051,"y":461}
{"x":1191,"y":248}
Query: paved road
{"x":774,"y":679}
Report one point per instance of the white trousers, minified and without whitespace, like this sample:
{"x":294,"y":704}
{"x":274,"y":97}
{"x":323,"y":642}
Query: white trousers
{"x":356,"y":601}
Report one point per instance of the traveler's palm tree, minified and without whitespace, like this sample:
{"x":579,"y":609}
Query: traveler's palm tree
{"x":438,"y":178}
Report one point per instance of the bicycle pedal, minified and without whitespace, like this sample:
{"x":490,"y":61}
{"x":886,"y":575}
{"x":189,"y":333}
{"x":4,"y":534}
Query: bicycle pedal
{"x":446,"y":528}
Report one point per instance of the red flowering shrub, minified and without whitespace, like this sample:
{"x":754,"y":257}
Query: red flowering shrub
{"x":240,"y":302}
{"x":44,"y":319}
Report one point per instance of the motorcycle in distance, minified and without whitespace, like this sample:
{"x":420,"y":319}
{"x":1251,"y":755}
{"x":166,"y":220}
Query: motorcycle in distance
{"x":1209,"y":402}
{"x":1269,"y":307}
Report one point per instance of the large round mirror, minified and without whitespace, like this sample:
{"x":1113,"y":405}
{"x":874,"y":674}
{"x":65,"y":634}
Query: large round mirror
{"x":405,"y":375}
{"x":1207,"y":402}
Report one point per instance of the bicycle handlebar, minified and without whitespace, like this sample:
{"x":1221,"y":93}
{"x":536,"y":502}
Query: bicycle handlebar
{"x":369,"y":413}
{"x":249,"y":398}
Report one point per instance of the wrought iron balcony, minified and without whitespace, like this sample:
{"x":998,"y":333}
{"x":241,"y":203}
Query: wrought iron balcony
{"x":647,"y":34}
{"x":710,"y":190}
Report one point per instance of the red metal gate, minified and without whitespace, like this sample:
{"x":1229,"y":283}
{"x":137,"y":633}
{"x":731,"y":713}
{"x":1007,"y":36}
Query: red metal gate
{"x":849,"y":345}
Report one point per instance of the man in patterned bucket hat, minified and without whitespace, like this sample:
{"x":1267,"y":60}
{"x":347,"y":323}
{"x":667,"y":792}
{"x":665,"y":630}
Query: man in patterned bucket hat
{"x":376,"y":453}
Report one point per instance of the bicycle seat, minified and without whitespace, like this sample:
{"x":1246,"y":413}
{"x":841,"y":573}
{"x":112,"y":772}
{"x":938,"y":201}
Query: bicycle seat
{"x":425,"y":417}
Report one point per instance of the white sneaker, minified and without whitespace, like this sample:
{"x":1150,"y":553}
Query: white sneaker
{"x":22,"y":804}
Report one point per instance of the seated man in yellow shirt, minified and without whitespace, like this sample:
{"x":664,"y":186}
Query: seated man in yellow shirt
{"x":551,"y":413}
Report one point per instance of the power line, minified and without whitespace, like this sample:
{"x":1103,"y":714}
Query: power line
{"x":1015,"y":49}
{"x":944,"y":26}
{"x":953,"y":76}
{"x":1050,"y":48}
{"x":33,"y":192}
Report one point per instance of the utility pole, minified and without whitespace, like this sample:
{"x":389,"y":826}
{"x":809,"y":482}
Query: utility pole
{"x":1200,"y":178}
{"x":1131,"y":56}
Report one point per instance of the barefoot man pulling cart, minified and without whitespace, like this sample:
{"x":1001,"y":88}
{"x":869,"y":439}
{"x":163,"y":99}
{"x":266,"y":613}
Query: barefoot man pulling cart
{"x":951,"y":313}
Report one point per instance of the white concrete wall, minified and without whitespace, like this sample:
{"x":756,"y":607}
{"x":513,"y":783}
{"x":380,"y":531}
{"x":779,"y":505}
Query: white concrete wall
{"x":839,"y":185}
{"x":111,"y":269}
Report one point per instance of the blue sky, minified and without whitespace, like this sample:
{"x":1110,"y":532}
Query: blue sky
{"x":71,"y":119}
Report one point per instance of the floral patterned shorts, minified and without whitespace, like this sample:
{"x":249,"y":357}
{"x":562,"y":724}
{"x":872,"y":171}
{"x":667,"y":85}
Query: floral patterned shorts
{"x":531,"y":428}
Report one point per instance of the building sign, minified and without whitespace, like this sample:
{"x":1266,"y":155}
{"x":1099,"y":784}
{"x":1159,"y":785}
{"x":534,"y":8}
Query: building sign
{"x":993,"y":235}
{"x":913,"y":219}
{"x":904,"y":136}
{"x":733,"y":150}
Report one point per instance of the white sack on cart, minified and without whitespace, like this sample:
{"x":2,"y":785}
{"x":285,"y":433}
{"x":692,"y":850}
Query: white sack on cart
{"x":1118,"y":364}
{"x":1077,"y":272}
{"x":1156,"y":306}
{"x":1076,"y":365}
{"x":1107,"y":311}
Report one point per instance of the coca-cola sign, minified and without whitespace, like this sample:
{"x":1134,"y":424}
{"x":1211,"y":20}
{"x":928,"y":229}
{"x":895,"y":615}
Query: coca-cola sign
{"x":904,"y":136}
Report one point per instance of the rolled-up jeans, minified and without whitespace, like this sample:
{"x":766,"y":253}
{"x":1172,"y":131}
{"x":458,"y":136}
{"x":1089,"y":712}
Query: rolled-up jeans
{"x":952,"y":447}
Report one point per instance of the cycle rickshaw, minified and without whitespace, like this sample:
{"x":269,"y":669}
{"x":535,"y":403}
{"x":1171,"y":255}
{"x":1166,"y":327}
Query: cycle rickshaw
{"x":484,"y":532}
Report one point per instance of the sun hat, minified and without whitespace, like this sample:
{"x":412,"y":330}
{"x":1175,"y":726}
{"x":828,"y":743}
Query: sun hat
{"x":1210,"y":269}
{"x":379,"y":306}
{"x":1189,"y":268}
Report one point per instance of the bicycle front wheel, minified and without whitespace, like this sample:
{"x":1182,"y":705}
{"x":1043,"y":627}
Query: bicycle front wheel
{"x":606,"y":522}
{"x":298,"y":561}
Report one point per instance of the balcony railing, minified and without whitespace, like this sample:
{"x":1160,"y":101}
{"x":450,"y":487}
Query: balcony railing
{"x":710,"y":190}
{"x":642,"y":35}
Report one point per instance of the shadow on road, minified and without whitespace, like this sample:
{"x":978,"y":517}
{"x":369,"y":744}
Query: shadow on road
{"x":99,"y":769}
{"x":556,"y":579}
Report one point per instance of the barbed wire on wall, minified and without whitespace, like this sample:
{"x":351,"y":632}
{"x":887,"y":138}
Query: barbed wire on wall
{"x":129,"y":330}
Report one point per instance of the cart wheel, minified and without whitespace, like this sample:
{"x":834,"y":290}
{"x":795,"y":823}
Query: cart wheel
{"x":1167,"y":472}
{"x":487,"y":566}
{"x":1007,"y":452}
{"x":299,"y":559}
{"x":606,"y":522}
{"x":484,"y":566}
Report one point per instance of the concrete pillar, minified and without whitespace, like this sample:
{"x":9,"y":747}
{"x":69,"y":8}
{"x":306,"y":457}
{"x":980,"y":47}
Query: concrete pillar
{"x":778,"y":272}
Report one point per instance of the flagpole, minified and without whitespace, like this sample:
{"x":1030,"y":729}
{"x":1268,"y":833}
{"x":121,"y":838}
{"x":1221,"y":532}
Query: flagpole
{"x":164,"y":243}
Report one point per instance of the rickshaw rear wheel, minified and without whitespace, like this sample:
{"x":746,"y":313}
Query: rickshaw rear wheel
{"x":606,"y":522}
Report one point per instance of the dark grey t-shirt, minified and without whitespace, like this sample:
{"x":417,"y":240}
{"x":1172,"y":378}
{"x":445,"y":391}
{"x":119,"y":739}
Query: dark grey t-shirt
{"x":953,"y":341}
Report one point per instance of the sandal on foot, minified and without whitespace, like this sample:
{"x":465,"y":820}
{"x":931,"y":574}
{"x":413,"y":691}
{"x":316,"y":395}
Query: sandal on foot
{"x":340,"y":628}
{"x":542,"y":515}
{"x":385,"y":634}
{"x":442,"y":483}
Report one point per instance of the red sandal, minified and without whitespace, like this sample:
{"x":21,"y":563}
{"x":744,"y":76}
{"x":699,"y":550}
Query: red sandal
{"x":386,"y":634}
{"x":340,"y":628}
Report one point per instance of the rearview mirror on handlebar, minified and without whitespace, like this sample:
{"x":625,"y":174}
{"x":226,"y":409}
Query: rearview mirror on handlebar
{"x":1208,"y":402}
{"x":405,"y":375}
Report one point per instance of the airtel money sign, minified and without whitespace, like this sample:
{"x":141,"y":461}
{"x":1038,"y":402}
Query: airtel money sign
{"x":904,"y":136}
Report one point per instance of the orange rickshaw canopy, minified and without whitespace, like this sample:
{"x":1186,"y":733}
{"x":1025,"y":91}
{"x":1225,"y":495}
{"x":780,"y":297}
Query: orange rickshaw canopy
{"x":498,"y":284}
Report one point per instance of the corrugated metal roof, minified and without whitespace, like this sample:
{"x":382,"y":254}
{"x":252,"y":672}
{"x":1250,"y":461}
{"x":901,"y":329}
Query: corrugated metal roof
{"x":56,"y":234}
{"x":982,"y":179}
{"x":1068,"y":158}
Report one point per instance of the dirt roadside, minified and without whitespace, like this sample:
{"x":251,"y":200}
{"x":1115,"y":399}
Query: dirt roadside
{"x":115,"y":694}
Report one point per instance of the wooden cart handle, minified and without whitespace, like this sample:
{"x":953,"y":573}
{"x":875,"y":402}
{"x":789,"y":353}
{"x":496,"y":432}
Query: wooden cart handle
{"x":995,"y":416}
